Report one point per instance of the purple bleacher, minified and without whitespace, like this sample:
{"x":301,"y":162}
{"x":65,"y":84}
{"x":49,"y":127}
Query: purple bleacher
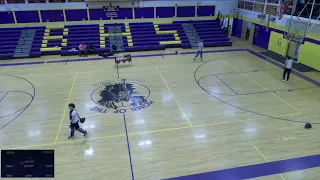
{"x":145,"y":48}
{"x":6,"y":56}
{"x":143,"y":37}
{"x":71,"y":52}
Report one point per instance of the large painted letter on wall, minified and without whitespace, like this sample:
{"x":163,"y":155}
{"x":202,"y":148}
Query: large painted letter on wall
{"x":309,"y":55}
{"x":278,"y":44}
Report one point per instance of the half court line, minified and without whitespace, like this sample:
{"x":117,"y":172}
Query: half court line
{"x":65,"y":109}
{"x":174,"y":97}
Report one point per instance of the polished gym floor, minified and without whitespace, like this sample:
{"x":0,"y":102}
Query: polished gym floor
{"x":175,"y":117}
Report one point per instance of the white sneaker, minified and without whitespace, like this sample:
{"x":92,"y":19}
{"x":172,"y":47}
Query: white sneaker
{"x":282,"y":80}
{"x":287,"y":81}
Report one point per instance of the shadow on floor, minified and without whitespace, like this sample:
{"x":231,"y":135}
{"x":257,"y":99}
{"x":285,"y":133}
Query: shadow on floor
{"x":281,"y":59}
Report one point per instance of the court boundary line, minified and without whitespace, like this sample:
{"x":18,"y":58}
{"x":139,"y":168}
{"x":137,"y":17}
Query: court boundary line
{"x":265,"y":158}
{"x":165,"y":82}
{"x":262,"y":86}
{"x":65,"y":109}
{"x":128,"y":143}
{"x":4,"y":96}
{"x":149,"y":132}
{"x":26,"y":107}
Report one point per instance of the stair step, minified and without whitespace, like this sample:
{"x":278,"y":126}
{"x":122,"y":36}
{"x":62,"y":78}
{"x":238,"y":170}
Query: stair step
{"x":21,"y":53}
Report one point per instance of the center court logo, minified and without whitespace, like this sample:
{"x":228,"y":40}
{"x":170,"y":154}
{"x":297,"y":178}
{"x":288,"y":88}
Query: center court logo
{"x":120,"y":96}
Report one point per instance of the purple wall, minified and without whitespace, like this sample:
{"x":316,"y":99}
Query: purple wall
{"x":206,"y":11}
{"x":125,"y":13}
{"x":146,"y":12}
{"x":76,"y":15}
{"x":6,"y":18}
{"x":165,"y":12}
{"x":186,"y":11}
{"x":96,"y":14}
{"x":52,"y":15}
{"x":122,"y":13}
{"x":236,"y":27}
{"x":261,"y":37}
{"x":27,"y":16}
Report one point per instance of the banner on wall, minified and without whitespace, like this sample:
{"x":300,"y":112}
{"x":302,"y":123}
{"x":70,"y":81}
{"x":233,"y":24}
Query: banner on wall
{"x":111,"y":11}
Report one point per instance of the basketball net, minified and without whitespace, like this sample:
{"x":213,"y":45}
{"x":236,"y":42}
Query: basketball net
{"x":284,"y":5}
{"x":290,"y":36}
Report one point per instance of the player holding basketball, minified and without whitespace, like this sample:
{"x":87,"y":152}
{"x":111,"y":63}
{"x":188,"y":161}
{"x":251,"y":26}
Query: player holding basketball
{"x":287,"y":69}
{"x":200,"y":50}
{"x":74,"y":121}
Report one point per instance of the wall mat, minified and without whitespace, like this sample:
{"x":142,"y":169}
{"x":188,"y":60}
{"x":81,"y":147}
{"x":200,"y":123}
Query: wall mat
{"x":277,"y":44}
{"x":309,"y":55}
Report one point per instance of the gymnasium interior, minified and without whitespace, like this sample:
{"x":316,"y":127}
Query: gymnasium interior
{"x":155,"y":104}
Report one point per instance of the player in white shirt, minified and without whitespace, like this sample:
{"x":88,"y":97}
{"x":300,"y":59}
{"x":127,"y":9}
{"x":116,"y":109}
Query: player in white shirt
{"x":287,"y":69}
{"x":74,"y":121}
{"x":200,"y":50}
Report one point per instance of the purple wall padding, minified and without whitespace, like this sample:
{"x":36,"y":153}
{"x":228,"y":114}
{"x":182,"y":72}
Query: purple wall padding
{"x":76,"y":15}
{"x":6,"y":18}
{"x":146,"y":12}
{"x":206,"y":11}
{"x":97,"y":14}
{"x":27,"y":16}
{"x":165,"y":12}
{"x":186,"y":11}
{"x":52,"y":15}
{"x":124,"y":13}
{"x":236,"y":27}
{"x":261,"y":37}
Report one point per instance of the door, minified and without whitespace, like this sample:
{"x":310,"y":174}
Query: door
{"x":251,"y":35}
{"x":244,"y":30}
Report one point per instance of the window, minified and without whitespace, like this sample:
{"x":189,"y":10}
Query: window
{"x":241,"y":5}
{"x":57,"y":1}
{"x":15,"y":1}
{"x":258,"y":8}
{"x":249,"y":6}
{"x":76,"y":1}
{"x":37,"y":1}
{"x":273,"y":1}
{"x":272,"y":10}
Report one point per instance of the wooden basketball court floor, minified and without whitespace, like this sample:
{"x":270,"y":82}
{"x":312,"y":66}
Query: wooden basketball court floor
{"x":230,"y":110}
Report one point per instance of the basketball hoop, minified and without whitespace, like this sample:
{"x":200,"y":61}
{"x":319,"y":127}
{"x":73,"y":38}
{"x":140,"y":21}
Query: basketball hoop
{"x":284,"y":4}
{"x":290,"y":36}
